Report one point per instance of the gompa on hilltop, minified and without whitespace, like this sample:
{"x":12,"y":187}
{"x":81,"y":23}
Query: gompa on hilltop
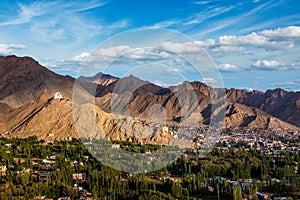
{"x":58,"y":95}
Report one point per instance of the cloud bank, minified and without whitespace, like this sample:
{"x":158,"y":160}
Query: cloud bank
{"x":7,"y":49}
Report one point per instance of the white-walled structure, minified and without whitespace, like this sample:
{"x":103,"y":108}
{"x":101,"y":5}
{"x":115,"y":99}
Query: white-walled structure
{"x":58,"y":95}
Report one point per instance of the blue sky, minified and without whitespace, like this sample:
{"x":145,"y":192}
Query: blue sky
{"x":254,"y":43}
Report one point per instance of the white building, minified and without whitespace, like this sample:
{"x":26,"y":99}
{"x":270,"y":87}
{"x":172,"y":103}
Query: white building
{"x":58,"y":95}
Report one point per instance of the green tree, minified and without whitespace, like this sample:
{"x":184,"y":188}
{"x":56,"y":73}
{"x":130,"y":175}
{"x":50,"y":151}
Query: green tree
{"x":237,"y":192}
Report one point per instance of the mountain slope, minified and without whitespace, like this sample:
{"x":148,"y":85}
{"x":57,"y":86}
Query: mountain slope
{"x":99,"y":79}
{"x":279,"y":103}
{"x":28,"y":107}
{"x":239,"y":115}
{"x":56,"y":120}
{"x":23,"y":80}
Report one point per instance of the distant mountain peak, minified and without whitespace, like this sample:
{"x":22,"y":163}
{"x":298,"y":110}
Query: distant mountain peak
{"x":99,"y":79}
{"x":26,"y":87}
{"x":24,"y":80}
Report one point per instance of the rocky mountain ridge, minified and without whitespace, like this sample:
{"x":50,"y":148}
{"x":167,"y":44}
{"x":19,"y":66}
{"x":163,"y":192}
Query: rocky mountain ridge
{"x":28,"y":107}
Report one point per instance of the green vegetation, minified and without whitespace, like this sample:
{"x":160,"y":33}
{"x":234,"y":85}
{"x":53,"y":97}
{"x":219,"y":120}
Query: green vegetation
{"x":32,"y":168}
{"x":137,"y":148}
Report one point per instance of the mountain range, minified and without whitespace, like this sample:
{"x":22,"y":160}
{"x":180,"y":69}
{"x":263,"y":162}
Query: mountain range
{"x":28,"y":107}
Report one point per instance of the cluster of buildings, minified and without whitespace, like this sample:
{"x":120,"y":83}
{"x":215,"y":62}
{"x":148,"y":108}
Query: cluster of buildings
{"x":269,"y":143}
{"x":266,"y":141}
{"x":45,"y":171}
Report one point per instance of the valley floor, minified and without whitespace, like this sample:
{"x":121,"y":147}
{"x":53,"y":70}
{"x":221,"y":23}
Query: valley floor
{"x":32,"y":169}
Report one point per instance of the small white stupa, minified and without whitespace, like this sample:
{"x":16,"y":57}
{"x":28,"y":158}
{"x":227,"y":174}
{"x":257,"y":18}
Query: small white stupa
{"x":58,"y":95}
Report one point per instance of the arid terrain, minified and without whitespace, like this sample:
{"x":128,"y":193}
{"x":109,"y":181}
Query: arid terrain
{"x":28,"y":107}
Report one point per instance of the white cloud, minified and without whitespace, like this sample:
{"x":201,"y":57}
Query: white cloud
{"x":216,"y":26}
{"x":26,"y":13}
{"x":242,"y":77}
{"x":114,"y":52}
{"x":202,"y":2}
{"x":290,"y":85}
{"x":266,"y":64}
{"x":209,"y":81}
{"x":69,"y":67}
{"x":256,"y":40}
{"x":273,"y":65}
{"x":285,"y":32}
{"x":122,"y":55}
{"x":252,"y":38}
{"x":187,"y":47}
{"x":207,"y":14}
{"x":10,"y":48}
{"x":268,"y":40}
{"x":81,"y":57}
{"x":118,"y":24}
{"x":165,"y":24}
{"x":65,"y":21}
{"x":124,"y":52}
{"x":197,"y":18}
{"x":110,"y":54}
{"x":228,"y":49}
{"x":36,"y":9}
{"x":228,"y":67}
{"x":277,"y":39}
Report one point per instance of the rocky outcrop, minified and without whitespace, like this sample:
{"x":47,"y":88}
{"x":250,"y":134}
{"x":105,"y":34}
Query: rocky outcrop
{"x":129,"y":108}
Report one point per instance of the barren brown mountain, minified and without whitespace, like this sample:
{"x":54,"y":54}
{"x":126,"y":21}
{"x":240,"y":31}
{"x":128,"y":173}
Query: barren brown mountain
{"x":28,"y":107}
{"x":279,"y":103}
{"x":24,"y":80}
{"x":100,"y":79}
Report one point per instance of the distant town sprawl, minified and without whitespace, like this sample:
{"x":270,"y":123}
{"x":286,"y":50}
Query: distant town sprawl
{"x":244,"y":164}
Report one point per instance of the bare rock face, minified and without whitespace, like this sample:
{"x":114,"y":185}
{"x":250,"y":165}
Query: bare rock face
{"x":238,"y":115}
{"x":99,"y":79}
{"x":24,"y":80}
{"x":279,"y":103}
{"x":162,"y":136}
{"x":48,"y":120}
{"x":28,"y":107}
